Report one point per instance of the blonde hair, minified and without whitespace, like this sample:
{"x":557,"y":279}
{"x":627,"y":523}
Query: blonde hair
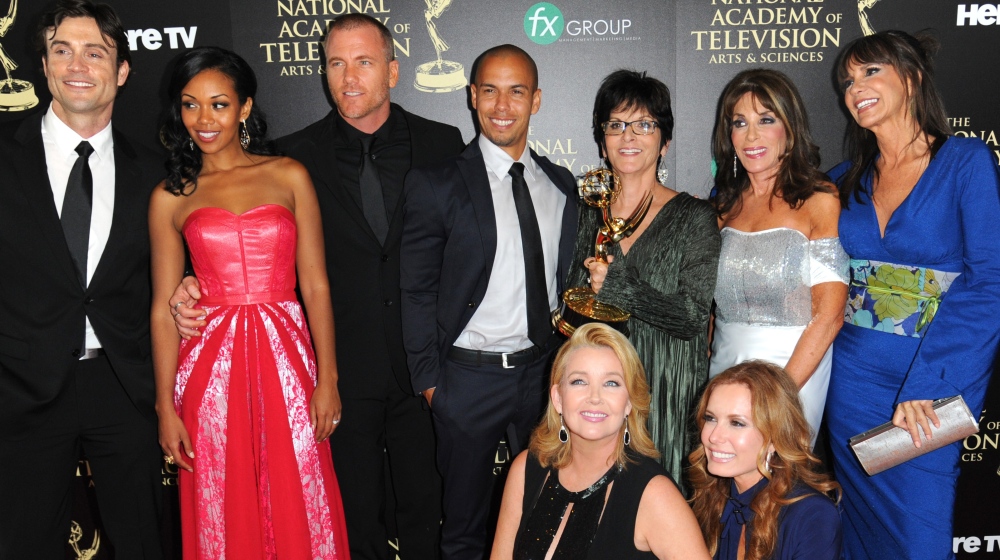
{"x":777,"y":414}
{"x":545,"y":442}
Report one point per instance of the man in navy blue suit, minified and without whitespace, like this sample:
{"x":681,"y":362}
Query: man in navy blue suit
{"x":487,"y":238}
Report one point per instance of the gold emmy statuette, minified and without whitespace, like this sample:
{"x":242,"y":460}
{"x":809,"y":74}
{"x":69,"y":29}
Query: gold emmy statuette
{"x":15,"y":95}
{"x":866,"y":25}
{"x":75,"y":534}
{"x":599,"y":188}
{"x":438,"y":76}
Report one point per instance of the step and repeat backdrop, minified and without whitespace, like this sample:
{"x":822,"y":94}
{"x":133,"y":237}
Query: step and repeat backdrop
{"x":694,"y":46}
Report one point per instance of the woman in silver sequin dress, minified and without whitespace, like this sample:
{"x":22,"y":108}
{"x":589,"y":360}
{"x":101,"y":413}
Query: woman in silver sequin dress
{"x":782,"y":280}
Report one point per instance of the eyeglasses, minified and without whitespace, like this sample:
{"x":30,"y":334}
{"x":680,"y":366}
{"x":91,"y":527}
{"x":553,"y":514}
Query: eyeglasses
{"x":615,"y":128}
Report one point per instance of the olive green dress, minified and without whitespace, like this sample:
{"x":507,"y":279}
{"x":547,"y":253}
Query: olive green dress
{"x":666,"y":281}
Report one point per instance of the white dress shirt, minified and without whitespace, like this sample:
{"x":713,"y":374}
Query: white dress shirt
{"x":60,"y":154}
{"x":500,"y":323}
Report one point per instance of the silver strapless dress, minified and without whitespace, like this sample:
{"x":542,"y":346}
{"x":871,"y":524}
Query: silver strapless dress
{"x":763,"y":302}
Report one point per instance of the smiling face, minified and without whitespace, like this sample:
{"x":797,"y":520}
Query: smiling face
{"x":359,"y":76}
{"x":634,"y":155}
{"x":504,"y":97}
{"x":211,"y":111}
{"x":732,"y":442}
{"x":875,"y":94}
{"x":83,"y":73}
{"x":758,"y":137}
{"x":591,"y":395}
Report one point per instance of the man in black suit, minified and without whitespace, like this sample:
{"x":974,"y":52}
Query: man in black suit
{"x":75,"y":370}
{"x":367,"y":139}
{"x":487,"y":238}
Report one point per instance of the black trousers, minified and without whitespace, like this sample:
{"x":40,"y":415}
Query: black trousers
{"x":397,"y":424}
{"x":38,"y":470}
{"x":473,"y":408}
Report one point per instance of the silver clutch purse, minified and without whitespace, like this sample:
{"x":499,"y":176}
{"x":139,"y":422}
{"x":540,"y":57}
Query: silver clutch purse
{"x":886,"y":446}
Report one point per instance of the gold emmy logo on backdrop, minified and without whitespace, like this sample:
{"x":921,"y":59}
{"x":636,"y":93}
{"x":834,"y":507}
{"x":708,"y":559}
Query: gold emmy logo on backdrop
{"x":599,"y":188}
{"x":75,"y":534}
{"x":15,"y":95}
{"x":866,"y":25}
{"x":438,"y":76}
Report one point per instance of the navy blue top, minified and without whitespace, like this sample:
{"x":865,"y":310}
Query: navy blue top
{"x":807,"y":529}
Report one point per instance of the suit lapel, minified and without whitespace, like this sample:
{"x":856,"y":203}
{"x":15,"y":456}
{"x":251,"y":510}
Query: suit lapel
{"x":567,"y":238}
{"x":34,"y":184}
{"x":129,"y":194}
{"x":472,"y":166}
{"x":396,"y":218}
{"x":324,"y":161}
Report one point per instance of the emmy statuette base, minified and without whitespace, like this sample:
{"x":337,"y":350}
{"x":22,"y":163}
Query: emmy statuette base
{"x":580,"y":306}
{"x":440,"y":77}
{"x":17,"y":95}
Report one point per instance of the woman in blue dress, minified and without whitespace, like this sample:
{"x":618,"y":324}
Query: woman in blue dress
{"x":921,"y":209}
{"x":758,"y":492}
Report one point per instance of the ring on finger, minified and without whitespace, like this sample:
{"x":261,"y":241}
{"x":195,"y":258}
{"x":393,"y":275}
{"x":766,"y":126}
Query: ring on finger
{"x":178,"y":305}
{"x":169,"y":459}
{"x":337,"y":421}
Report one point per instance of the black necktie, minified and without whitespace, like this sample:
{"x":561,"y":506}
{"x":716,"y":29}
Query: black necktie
{"x":372,"y":199}
{"x":76,"y":210}
{"x":539,"y":323}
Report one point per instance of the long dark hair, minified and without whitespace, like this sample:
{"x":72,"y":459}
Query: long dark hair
{"x":912,"y":58}
{"x":184,"y":163}
{"x":798,"y":175}
{"x":777,"y":414}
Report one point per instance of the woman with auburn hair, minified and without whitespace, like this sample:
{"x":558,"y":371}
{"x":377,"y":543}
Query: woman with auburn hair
{"x":757,"y":492}
{"x":920,"y":218}
{"x":589,"y":485}
{"x":782,"y":279}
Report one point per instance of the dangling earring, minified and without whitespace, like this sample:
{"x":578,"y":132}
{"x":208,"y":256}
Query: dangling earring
{"x":734,"y":165}
{"x":767,"y":462}
{"x":190,"y":145}
{"x":563,"y":432}
{"x":627,"y":438}
{"x":244,"y":135}
{"x":662,"y":173}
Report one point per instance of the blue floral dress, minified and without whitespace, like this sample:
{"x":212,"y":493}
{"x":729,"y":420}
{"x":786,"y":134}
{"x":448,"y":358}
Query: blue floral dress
{"x":920,"y":323}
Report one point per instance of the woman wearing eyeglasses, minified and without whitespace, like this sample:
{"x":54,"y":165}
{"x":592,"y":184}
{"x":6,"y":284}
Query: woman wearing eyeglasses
{"x":664,"y":273}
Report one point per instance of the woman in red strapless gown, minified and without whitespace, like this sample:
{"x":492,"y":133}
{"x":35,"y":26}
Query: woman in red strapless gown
{"x":245,"y":409}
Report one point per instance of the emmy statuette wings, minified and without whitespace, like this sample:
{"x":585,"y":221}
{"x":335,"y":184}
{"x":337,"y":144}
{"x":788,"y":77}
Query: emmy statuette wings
{"x":439,"y":75}
{"x":599,"y":188}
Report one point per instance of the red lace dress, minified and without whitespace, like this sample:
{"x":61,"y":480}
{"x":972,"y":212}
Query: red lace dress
{"x":262,"y":488}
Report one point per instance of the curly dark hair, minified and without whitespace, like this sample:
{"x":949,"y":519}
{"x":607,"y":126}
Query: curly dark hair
{"x":184,"y":163}
{"x":798,"y":176}
{"x":912,"y":57}
{"x":625,"y":90}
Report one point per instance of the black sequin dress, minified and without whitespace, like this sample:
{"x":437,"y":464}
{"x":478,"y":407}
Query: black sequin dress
{"x":601,"y":523}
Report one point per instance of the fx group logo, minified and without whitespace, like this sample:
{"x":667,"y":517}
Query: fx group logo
{"x":544,"y":23}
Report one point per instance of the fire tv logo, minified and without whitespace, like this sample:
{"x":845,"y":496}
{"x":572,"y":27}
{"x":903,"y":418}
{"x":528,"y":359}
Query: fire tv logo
{"x":153,"y":39}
